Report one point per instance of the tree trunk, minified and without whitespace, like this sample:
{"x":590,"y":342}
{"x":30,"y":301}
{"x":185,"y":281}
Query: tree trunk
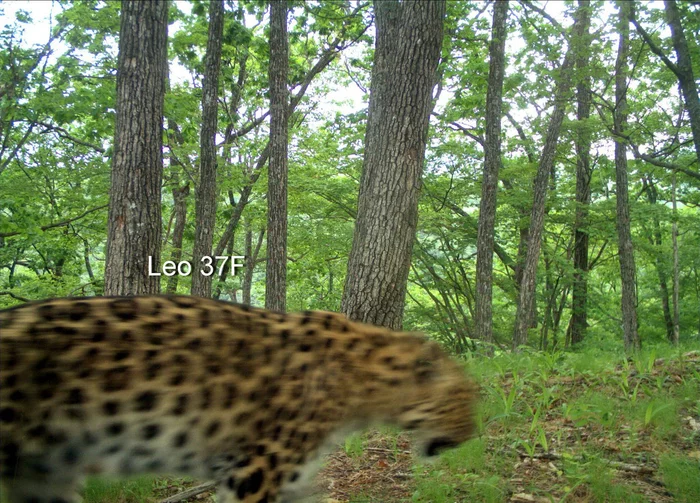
{"x":276,"y":271}
{"x":549,"y":297}
{"x":324,"y":60}
{"x":222,"y":276}
{"x":527,"y":288}
{"x":492,"y":163}
{"x":523,"y":220}
{"x":251,"y":258}
{"x":180,"y":214}
{"x":134,"y":227}
{"x":624,"y":234}
{"x":676,"y":285}
{"x":579,"y":310}
{"x":248,"y":285}
{"x":656,"y":241}
{"x":408,"y":42}
{"x":684,"y":72}
{"x":203,"y":269}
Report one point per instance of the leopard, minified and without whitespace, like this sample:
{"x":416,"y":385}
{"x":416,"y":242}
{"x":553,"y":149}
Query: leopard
{"x":247,"y":398}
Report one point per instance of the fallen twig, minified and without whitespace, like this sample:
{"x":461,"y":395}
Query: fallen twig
{"x":189,"y":493}
{"x":618,"y":465}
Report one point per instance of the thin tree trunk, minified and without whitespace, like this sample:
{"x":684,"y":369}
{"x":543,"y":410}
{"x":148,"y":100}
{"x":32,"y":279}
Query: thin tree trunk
{"x":676,"y":285}
{"x":134,"y":225}
{"x":523,"y":219}
{"x":492,"y":163}
{"x":203,"y":264}
{"x":549,"y":296}
{"x":624,"y":234}
{"x":251,"y":258}
{"x":408,"y":41}
{"x":180,"y":215}
{"x":324,"y":60}
{"x":231,"y":241}
{"x":88,"y":266}
{"x":276,"y":271}
{"x":663,"y":280}
{"x":579,"y":314}
{"x":247,"y":286}
{"x":697,"y":293}
{"x":222,"y":277}
{"x":242,"y":201}
{"x":684,"y":70}
{"x":656,"y":241}
{"x":527,"y":289}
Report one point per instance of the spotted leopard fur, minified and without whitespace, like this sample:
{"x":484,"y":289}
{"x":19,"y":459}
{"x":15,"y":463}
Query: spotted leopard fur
{"x":182,"y":385}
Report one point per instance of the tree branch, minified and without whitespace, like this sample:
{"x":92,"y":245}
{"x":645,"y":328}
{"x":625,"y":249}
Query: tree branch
{"x":62,"y":133}
{"x":654,"y":48}
{"x":57,"y":224}
{"x":15,"y":296}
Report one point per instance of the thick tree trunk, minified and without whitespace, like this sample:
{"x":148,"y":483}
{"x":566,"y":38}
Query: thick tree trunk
{"x":276,"y":271}
{"x":180,"y":215}
{"x":409,"y":38}
{"x":203,"y":264}
{"x":579,"y":310}
{"x":684,"y":72}
{"x":527,"y":288}
{"x":492,"y":164}
{"x":134,"y":226}
{"x":624,"y":234}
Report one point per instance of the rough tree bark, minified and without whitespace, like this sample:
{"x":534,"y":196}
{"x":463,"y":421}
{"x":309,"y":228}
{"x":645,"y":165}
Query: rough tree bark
{"x":526,"y":297}
{"x":624,"y":234}
{"x":582,"y":142}
{"x":134,"y":226}
{"x":205,"y":192}
{"x":684,"y":71}
{"x":408,"y":41}
{"x":492,"y":164}
{"x":276,"y":271}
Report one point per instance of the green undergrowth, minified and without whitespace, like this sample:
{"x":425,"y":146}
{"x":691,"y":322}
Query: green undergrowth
{"x":590,"y":425}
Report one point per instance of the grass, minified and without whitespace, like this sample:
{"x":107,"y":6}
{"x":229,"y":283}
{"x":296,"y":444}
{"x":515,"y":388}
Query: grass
{"x":355,"y":445}
{"x":682,"y":478}
{"x":137,"y":490}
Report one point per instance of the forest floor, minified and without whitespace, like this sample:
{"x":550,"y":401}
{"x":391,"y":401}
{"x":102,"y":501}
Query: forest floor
{"x":570,"y":427}
{"x":552,"y":429}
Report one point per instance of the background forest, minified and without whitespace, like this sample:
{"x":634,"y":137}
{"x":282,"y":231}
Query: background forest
{"x":58,"y":99}
{"x":590,"y":146}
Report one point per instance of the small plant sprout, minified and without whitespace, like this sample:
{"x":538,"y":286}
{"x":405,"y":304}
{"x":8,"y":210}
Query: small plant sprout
{"x":652,"y":412}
